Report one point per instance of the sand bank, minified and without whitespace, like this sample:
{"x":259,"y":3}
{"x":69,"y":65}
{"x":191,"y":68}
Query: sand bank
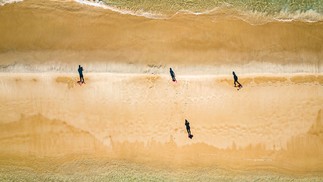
{"x":274,"y":124}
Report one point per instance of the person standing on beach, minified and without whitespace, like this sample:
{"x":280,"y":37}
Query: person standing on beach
{"x":188,"y":129}
{"x":235,"y":77}
{"x":172,"y":74}
{"x":80,"y":70}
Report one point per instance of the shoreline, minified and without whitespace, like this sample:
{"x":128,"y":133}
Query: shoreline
{"x":120,"y":169}
{"x":253,"y":17}
{"x":85,"y":35}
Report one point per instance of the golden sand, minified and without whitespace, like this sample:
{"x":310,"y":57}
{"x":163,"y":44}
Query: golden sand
{"x":127,"y":122}
{"x":272,"y":124}
{"x":47,"y":32}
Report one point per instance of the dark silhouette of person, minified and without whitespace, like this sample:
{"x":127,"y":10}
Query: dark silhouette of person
{"x":188,"y":129}
{"x":80,"y":70}
{"x":235,"y":77}
{"x":172,"y":74}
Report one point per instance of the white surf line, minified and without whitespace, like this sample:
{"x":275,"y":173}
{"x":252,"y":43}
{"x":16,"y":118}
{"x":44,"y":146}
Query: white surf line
{"x":103,"y":5}
{"x":2,"y":3}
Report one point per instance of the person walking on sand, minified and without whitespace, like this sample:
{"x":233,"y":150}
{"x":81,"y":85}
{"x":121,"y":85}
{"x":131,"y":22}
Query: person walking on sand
{"x":188,"y":129}
{"x":172,"y":74}
{"x":80,"y":70}
{"x":235,"y":77}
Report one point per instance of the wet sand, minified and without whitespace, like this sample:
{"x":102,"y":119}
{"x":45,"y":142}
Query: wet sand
{"x":57,"y":35}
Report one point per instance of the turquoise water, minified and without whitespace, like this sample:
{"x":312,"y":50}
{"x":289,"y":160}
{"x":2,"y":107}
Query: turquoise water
{"x":307,"y":10}
{"x":171,"y":6}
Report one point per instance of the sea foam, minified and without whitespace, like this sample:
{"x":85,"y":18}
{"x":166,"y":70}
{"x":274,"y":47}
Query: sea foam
{"x":103,"y":5}
{"x":3,"y":2}
{"x":247,"y":12}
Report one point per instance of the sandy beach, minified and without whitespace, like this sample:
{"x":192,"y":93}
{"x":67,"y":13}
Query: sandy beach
{"x":54,"y":36}
{"x":139,"y":119}
{"x":127,"y":122}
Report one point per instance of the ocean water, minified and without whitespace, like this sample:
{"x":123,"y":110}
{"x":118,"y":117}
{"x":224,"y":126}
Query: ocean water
{"x":264,"y":10}
{"x":264,"y":6}
{"x":254,"y":11}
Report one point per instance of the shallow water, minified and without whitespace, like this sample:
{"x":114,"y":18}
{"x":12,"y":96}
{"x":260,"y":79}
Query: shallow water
{"x":262,"y":7}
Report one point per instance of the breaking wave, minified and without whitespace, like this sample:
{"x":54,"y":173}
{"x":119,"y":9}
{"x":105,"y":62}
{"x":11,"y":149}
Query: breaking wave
{"x":3,"y":2}
{"x":253,"y":11}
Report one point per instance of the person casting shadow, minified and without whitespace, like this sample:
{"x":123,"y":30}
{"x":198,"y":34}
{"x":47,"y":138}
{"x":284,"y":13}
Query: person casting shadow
{"x":80,"y":70}
{"x":235,"y":77}
{"x":172,"y":74}
{"x":188,"y":129}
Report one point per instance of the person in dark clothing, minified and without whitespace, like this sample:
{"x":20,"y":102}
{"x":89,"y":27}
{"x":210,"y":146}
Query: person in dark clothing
{"x":80,"y":70}
{"x":235,"y":77}
{"x":188,"y":129}
{"x":172,"y":74}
